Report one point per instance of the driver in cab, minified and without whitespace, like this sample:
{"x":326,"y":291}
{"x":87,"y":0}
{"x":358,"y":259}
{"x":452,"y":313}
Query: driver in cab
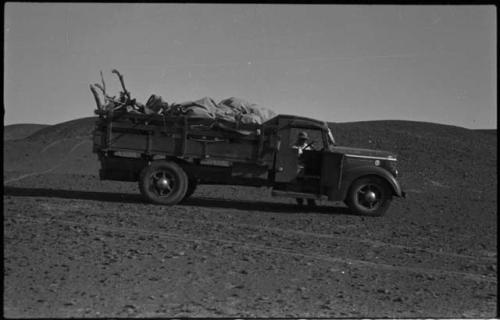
{"x":302,"y":143}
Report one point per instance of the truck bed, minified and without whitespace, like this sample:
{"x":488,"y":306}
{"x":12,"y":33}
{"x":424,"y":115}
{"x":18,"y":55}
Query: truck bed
{"x":152,"y":136}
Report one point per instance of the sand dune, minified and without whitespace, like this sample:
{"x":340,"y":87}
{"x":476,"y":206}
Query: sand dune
{"x":21,"y":131}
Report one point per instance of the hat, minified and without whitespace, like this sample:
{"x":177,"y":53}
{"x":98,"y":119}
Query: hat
{"x":302,"y":135}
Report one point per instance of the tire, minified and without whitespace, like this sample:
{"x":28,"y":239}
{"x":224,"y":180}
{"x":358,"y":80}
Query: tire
{"x":311,"y":203}
{"x":163,"y":182}
{"x":369,"y":196}
{"x":192,"y":184}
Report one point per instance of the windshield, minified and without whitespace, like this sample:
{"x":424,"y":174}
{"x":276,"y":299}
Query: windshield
{"x":331,"y":140}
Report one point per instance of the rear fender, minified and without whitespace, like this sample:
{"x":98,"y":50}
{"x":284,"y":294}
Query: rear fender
{"x":185,"y":165}
{"x":352,"y":175}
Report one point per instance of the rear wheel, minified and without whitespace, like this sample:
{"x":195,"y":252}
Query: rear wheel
{"x":370,"y":196}
{"x":163,"y":182}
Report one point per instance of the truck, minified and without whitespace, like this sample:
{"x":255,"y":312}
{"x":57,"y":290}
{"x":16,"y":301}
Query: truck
{"x":169,"y":156}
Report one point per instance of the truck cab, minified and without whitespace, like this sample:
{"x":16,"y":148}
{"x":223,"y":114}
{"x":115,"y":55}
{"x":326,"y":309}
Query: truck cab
{"x":365,"y":179}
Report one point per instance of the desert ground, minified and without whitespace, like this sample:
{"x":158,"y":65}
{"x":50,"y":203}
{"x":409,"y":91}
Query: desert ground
{"x":75,"y":246}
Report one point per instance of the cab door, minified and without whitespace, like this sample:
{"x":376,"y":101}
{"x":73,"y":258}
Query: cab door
{"x":289,"y":166}
{"x":287,"y":159}
{"x":331,"y":173}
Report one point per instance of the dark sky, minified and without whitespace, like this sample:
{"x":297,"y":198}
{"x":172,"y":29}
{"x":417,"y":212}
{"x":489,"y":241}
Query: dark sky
{"x":333,"y":62}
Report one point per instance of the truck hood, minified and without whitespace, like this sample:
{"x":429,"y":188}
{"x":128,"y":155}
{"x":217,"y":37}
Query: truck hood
{"x":363,"y":152}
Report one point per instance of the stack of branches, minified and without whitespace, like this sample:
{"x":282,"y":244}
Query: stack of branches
{"x":106,"y":103}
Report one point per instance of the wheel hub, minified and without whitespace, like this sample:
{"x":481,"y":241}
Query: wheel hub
{"x":163,"y":184}
{"x":370,"y":196}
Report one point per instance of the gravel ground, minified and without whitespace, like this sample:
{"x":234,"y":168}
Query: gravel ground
{"x":75,"y":246}
{"x":97,"y":253}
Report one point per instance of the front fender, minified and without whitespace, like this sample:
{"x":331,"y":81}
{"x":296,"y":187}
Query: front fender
{"x":349,"y":176}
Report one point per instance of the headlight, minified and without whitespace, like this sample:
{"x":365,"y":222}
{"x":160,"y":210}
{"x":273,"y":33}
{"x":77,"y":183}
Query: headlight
{"x":391,"y":166}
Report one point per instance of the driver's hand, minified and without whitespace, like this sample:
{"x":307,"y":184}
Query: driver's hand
{"x":310,"y":146}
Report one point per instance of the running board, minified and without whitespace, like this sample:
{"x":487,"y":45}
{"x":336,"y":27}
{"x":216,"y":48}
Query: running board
{"x":293,"y":194}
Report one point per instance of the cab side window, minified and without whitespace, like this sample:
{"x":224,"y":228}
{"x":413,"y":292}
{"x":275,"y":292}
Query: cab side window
{"x":299,"y":136}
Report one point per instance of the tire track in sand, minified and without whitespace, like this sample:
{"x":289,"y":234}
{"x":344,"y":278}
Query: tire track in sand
{"x":50,"y":145}
{"x":36,"y":173}
{"x":374,"y":243}
{"x":270,"y":249}
{"x":371,"y":242}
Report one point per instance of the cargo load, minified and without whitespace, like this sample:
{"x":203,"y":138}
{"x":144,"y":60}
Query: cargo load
{"x":235,"y":110}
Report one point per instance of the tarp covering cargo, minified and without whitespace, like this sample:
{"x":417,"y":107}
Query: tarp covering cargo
{"x":231,"y":109}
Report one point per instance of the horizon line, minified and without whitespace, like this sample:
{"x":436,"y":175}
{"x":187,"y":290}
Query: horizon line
{"x":329,"y":122}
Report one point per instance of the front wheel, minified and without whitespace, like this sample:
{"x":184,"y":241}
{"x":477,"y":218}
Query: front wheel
{"x":163,"y":182}
{"x":370,"y":196}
